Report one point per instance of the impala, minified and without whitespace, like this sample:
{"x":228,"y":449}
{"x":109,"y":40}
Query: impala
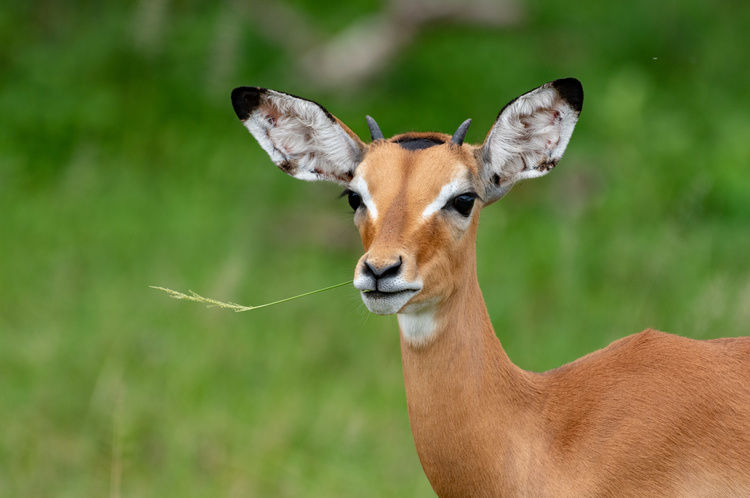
{"x":652,"y":414}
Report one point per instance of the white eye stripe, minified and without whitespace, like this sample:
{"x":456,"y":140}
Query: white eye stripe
{"x":359,"y":185}
{"x":447,"y":193}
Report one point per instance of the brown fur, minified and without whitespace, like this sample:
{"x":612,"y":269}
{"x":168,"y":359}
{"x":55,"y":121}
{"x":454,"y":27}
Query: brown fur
{"x":650,"y":415}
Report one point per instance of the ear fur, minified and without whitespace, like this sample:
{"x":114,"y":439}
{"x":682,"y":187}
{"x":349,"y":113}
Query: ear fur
{"x":303,"y":139}
{"x":530,"y":135}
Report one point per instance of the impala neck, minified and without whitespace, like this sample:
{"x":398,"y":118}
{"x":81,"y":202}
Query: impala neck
{"x":469,"y":406}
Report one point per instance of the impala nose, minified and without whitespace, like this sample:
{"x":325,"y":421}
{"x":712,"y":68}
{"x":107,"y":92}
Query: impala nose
{"x":379,"y":271}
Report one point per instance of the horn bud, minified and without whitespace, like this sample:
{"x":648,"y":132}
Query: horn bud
{"x":458,"y":137}
{"x":375,"y":132}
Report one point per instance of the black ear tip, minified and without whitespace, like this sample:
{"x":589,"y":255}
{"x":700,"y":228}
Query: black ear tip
{"x":245,"y":99}
{"x":571,"y":90}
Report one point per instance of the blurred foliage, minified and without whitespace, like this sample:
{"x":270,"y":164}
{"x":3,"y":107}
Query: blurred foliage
{"x":122,"y":165}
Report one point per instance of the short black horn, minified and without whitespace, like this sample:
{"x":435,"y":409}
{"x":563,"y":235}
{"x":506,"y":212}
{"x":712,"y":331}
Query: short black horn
{"x":458,"y":137}
{"x":375,"y":132}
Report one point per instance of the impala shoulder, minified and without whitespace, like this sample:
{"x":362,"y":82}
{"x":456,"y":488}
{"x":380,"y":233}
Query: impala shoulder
{"x":625,"y":349}
{"x":651,"y":342}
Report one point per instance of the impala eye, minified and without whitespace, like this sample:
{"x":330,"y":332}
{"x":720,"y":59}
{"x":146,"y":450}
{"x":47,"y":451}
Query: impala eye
{"x":464,"y":204}
{"x":354,"y":200}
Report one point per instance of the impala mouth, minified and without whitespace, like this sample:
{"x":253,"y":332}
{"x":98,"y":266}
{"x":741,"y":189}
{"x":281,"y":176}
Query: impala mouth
{"x":378,"y":294}
{"x":387,"y":302}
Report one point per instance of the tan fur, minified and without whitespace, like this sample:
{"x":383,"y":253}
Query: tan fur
{"x":651,"y":415}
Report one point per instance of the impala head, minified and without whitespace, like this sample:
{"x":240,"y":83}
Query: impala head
{"x":416,"y":197}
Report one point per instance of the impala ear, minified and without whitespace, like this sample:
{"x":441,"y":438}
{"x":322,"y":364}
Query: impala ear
{"x":530,"y":135}
{"x":303,"y":139}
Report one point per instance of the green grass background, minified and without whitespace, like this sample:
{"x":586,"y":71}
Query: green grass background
{"x":122,"y":165}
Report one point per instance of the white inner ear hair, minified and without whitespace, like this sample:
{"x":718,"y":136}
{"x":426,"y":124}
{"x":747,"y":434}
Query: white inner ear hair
{"x":299,"y":133}
{"x":531,"y":135}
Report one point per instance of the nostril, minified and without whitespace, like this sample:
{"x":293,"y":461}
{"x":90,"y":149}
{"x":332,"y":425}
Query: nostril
{"x":378,"y":271}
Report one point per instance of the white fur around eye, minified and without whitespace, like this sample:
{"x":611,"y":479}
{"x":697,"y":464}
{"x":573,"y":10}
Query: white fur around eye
{"x":359,"y":185}
{"x":449,"y":191}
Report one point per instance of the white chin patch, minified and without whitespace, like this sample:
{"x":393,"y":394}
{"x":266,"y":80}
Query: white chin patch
{"x":382,"y":303}
{"x":418,"y":329}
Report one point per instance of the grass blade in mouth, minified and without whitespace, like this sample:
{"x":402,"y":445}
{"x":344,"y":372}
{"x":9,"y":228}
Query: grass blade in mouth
{"x":237,"y":308}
